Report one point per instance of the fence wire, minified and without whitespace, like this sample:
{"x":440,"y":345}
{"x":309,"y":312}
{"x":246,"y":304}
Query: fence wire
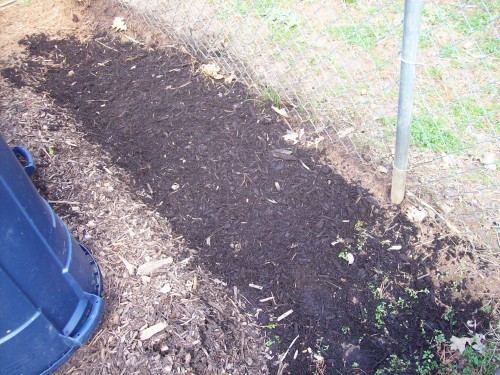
{"x":338,"y":62}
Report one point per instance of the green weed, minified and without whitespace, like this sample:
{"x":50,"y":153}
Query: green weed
{"x":380,"y":315}
{"x":471,"y":23}
{"x":396,"y":365}
{"x":485,"y":363}
{"x":433,"y":134}
{"x":469,"y":112}
{"x":270,"y":94}
{"x":426,"y":364}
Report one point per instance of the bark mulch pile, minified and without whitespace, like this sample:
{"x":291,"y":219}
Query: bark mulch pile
{"x":332,"y":279}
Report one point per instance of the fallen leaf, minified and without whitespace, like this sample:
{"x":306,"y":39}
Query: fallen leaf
{"x":281,"y":111}
{"x":212,"y":71}
{"x":458,"y":343}
{"x":416,"y":214}
{"x":295,"y":137}
{"x":119,"y":24}
{"x":154,"y":265}
{"x":230,"y":78}
{"x":151,"y":331}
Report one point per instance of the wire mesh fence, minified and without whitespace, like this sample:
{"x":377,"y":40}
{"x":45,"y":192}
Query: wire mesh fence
{"x":337,"y":63}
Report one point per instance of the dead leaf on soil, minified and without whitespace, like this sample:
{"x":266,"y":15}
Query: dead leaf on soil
{"x":119,"y":24}
{"x":416,"y":214}
{"x":230,"y":78}
{"x":150,"y":267}
{"x":151,"y":331}
{"x":212,"y":71}
{"x":459,"y":343}
{"x":294,"y":137}
{"x":281,"y":111}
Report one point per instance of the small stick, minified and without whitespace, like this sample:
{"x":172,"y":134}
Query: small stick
{"x":255,"y":286}
{"x":111,"y":48}
{"x":133,"y":40}
{"x":266,"y":299}
{"x":283,"y":316}
{"x":282,"y":357}
{"x":5,"y":3}
{"x":64,"y":202}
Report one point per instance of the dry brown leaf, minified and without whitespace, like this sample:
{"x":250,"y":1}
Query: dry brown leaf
{"x":458,"y":343}
{"x":230,"y":78}
{"x":280,"y":111}
{"x":119,"y":24}
{"x":212,"y":71}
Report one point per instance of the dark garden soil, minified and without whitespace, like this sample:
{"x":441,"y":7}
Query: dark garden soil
{"x":212,"y":159}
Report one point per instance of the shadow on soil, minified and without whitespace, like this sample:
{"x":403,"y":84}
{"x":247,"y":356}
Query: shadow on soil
{"x":204,"y":153}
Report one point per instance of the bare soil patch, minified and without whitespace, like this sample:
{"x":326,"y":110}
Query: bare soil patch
{"x":272,"y":220}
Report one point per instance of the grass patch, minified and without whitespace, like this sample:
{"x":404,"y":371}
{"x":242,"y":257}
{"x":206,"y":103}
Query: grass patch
{"x":270,"y":94}
{"x":449,"y":51}
{"x":285,"y":27}
{"x":469,"y":112}
{"x":435,"y":73}
{"x":468,"y":24}
{"x":425,"y":41}
{"x":355,"y":35}
{"x":433,"y":134}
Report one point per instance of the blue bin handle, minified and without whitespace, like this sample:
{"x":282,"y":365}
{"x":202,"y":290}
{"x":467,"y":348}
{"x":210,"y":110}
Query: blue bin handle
{"x":30,"y":167}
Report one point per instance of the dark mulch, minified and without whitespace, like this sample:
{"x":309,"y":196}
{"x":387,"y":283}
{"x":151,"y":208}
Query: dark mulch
{"x":255,"y":216}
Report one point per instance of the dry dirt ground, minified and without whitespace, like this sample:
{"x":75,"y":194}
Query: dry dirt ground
{"x":255,"y":234}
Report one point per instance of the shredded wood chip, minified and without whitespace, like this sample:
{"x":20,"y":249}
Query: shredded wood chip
{"x":130,"y":267}
{"x":151,"y":331}
{"x":150,"y":267}
{"x":255,"y":286}
{"x":284,"y":315}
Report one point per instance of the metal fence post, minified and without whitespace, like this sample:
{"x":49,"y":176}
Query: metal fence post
{"x":411,"y":26}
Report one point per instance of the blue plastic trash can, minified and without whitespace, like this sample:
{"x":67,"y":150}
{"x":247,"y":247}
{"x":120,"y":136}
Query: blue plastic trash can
{"x":50,"y":285}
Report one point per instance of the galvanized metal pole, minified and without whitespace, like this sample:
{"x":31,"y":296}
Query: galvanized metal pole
{"x":411,"y":26}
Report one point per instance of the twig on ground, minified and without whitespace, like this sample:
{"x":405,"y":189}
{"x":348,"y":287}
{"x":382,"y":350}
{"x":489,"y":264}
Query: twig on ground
{"x":282,"y":365}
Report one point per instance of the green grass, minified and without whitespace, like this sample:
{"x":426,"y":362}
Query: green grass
{"x":270,"y":94}
{"x":449,"y":51}
{"x":434,"y":134}
{"x":486,"y":362}
{"x":489,"y":45}
{"x":435,"y":73}
{"x":425,"y":41}
{"x":356,"y":35}
{"x":469,"y":112}
{"x":470,"y":23}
